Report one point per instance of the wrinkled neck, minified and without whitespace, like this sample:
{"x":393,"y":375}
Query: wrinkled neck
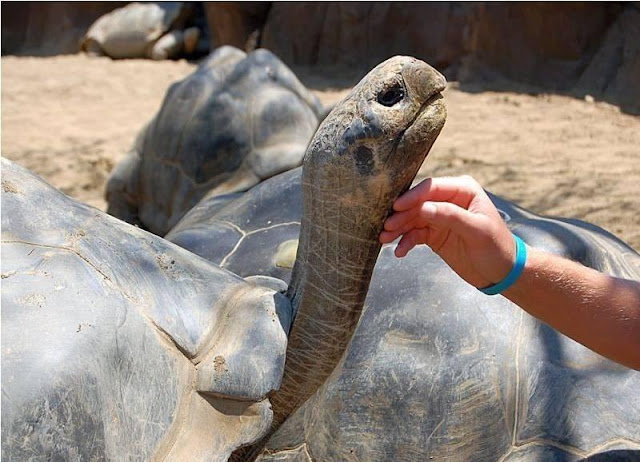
{"x":337,"y":251}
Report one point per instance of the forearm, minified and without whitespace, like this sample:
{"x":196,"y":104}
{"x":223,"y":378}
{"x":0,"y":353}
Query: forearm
{"x":599,"y":311}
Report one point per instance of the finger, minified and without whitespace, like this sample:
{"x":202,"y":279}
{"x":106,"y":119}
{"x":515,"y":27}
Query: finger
{"x":401,"y":219}
{"x":389,"y":236}
{"x":440,"y":215}
{"x":458,"y":190}
{"x":404,"y":246}
{"x":410,"y":240}
{"x":417,"y":217}
{"x":448,"y":215}
{"x":414,"y":196}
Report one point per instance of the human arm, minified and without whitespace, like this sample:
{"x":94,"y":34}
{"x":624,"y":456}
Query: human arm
{"x":456,"y":218}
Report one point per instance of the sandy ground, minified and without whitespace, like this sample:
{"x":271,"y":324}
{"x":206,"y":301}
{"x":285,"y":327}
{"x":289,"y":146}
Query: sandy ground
{"x":71,"y":118}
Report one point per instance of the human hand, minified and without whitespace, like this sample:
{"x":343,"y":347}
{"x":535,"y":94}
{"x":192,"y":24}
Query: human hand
{"x":456,"y":218}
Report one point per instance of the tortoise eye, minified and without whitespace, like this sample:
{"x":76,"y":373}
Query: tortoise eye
{"x":391,"y":96}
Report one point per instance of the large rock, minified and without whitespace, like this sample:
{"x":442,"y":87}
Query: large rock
{"x":47,"y":29}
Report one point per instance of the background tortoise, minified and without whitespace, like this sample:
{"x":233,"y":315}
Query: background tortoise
{"x":235,"y":121}
{"x":435,"y":370}
{"x":143,"y":30}
{"x":119,"y":344}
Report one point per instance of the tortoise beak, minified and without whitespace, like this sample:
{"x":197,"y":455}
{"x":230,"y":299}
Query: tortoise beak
{"x":423,"y":80}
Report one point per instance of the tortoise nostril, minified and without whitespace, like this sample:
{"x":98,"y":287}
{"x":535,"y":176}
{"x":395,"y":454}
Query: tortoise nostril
{"x":391,"y":96}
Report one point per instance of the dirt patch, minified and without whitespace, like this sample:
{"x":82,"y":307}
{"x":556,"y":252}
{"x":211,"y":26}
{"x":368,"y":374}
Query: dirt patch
{"x":219,"y":364}
{"x":164,"y":262}
{"x":8,"y":187}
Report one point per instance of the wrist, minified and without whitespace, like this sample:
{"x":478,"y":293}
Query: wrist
{"x":517,"y":268}
{"x":500,"y":256}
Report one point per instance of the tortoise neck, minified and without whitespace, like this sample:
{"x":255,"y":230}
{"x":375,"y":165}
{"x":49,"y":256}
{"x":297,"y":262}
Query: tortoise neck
{"x":337,"y":252}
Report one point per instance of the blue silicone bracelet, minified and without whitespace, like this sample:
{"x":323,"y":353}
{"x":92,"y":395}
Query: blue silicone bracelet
{"x":514,"y":274}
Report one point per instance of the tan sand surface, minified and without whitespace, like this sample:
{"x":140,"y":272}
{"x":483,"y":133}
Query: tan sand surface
{"x":71,"y":118}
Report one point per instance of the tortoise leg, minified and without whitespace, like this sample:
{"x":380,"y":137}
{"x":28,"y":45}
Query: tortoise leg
{"x":92,"y":48}
{"x":190,"y":40}
{"x":168,"y":46}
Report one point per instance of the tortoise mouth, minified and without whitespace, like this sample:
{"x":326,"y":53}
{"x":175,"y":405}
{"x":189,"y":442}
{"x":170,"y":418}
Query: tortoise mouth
{"x":431,"y":114}
{"x":435,"y":99}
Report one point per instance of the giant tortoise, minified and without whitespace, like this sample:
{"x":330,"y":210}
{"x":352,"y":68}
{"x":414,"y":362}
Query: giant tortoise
{"x":119,"y":345}
{"x":235,"y":121}
{"x":436,"y":370}
{"x":143,"y":30}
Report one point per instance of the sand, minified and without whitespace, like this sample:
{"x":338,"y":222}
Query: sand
{"x":72,"y":118}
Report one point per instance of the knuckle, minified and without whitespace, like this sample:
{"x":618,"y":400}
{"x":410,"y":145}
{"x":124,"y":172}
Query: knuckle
{"x":445,"y":211}
{"x":471,"y":183}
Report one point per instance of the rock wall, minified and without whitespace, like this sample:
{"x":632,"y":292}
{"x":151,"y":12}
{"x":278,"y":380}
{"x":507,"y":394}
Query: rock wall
{"x":614,"y":71}
{"x":236,"y":23}
{"x":533,"y":42}
{"x":540,"y":43}
{"x":48,"y":28}
{"x":589,"y":47}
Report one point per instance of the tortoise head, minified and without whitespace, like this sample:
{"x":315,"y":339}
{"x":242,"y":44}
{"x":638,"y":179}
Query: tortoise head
{"x":363,"y":156}
{"x":370,"y":147}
